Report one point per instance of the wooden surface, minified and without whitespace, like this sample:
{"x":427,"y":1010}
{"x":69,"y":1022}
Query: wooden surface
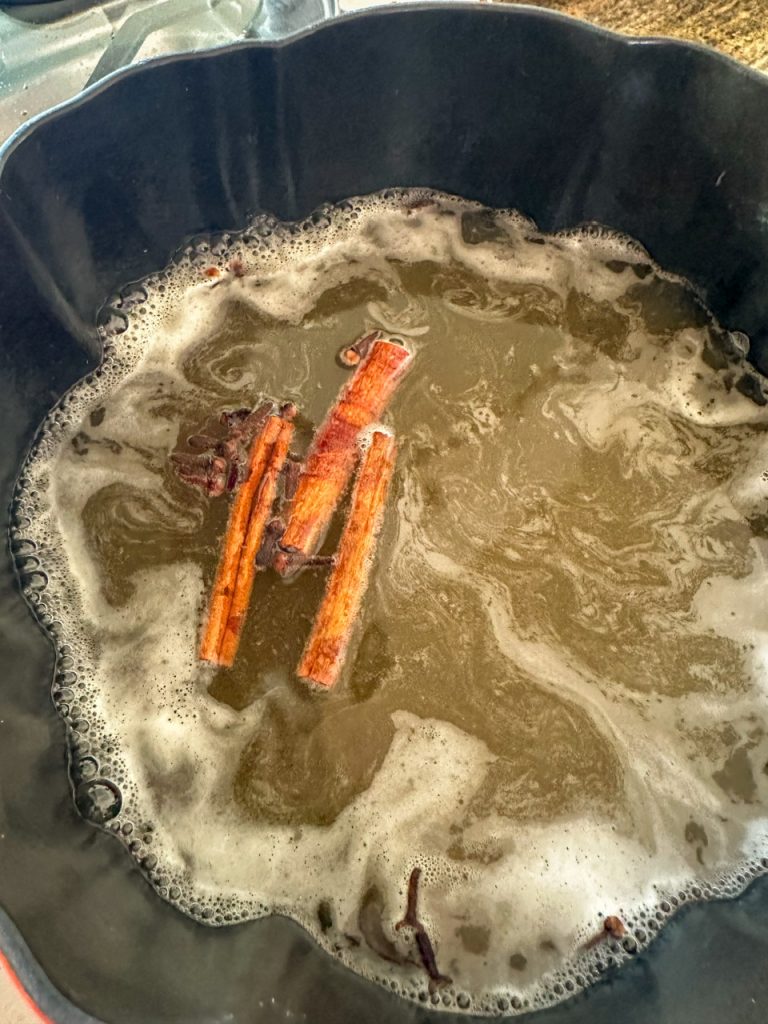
{"x":737,"y":27}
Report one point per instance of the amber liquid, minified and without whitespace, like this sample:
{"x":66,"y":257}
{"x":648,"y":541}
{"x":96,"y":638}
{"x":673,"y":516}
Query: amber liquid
{"x":503,"y":522}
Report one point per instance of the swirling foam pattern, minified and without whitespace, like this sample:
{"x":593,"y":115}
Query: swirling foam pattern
{"x":556,"y":699}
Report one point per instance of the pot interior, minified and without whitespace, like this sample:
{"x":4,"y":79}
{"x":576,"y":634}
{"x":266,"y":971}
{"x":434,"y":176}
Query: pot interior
{"x":665,"y":142}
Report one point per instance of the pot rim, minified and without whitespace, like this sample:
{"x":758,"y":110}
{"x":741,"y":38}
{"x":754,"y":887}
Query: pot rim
{"x":481,"y":8}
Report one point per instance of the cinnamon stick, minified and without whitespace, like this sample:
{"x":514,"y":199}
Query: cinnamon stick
{"x":260,"y":512}
{"x":333,"y":455}
{"x":324,"y":654}
{"x":229,"y":562}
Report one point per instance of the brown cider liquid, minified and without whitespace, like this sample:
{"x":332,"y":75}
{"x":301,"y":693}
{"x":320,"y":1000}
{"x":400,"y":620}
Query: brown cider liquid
{"x":503,"y":523}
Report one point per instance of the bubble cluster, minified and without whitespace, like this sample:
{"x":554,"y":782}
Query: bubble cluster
{"x":512,"y":906}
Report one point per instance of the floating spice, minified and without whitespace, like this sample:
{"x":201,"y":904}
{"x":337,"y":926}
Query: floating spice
{"x":264,"y":459}
{"x":423,"y":941}
{"x":261,"y":509}
{"x":331,"y":460}
{"x":327,"y":645}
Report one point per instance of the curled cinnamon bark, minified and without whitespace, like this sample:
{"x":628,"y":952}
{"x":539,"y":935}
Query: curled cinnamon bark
{"x":327,"y":645}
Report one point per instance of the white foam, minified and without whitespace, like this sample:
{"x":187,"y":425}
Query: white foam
{"x":145,"y":699}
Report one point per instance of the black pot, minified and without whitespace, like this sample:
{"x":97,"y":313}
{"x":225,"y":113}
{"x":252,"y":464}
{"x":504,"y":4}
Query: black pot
{"x":514,"y":107}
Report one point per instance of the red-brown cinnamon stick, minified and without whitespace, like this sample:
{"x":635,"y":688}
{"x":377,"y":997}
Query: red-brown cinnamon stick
{"x":261,"y":510}
{"x":237,"y":527}
{"x":333,"y":455}
{"x":324,"y":654}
